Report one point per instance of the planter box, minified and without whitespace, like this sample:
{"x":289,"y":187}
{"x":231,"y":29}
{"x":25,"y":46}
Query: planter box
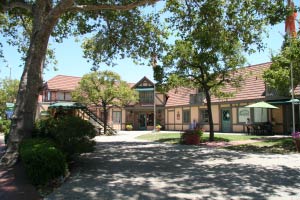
{"x":191,"y":139}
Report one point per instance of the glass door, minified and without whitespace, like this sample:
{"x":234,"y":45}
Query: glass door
{"x":142,"y":121}
{"x":226,"y":120}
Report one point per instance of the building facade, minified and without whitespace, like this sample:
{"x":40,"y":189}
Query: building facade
{"x":182,"y":108}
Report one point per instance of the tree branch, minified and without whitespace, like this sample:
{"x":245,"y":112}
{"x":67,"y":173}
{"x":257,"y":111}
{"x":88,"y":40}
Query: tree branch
{"x":112,"y":7}
{"x":5,"y":5}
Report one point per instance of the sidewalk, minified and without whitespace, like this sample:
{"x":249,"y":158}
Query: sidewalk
{"x":124,"y":169}
{"x":13,"y":181}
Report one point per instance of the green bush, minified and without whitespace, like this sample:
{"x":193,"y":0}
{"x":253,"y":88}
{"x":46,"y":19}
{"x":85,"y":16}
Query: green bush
{"x":4,"y":128}
{"x":73,"y":135}
{"x":43,"y":162}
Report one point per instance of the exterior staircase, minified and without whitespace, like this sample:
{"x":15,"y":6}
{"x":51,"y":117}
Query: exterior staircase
{"x":98,"y":122}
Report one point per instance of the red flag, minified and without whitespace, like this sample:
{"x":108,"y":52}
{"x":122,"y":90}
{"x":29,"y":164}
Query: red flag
{"x":290,"y":27}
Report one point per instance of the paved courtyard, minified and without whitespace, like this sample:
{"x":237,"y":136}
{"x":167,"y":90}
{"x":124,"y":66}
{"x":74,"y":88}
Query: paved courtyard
{"x":125,"y":168}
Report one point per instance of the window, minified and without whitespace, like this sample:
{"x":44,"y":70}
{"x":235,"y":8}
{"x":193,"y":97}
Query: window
{"x":260,"y":115}
{"x":204,"y":116}
{"x":197,"y":98}
{"x":146,"y":97}
{"x":68,"y":96}
{"x":186,"y":116}
{"x":116,"y":117}
{"x":243,"y":114}
{"x":48,"y":96}
{"x":60,"y":96}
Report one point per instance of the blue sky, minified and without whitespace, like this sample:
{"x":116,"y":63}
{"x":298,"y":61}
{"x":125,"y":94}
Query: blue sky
{"x":71,"y":62}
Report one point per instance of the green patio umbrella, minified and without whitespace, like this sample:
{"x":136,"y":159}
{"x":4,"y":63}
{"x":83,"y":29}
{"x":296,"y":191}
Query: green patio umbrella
{"x":261,"y":104}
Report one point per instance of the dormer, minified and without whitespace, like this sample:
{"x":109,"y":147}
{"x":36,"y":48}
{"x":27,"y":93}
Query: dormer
{"x":198,"y":98}
{"x":145,"y":88}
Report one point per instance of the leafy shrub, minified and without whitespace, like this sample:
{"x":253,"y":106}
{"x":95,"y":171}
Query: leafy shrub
{"x":43,"y":162}
{"x":194,"y":131}
{"x":72,"y":135}
{"x":191,"y":136}
{"x":4,"y":128}
{"x":129,"y":127}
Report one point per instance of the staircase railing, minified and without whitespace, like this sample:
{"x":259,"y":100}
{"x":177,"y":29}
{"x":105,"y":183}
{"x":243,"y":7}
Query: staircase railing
{"x":109,"y":129}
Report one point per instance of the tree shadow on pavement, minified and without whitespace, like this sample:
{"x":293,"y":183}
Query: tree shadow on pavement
{"x":119,"y":170}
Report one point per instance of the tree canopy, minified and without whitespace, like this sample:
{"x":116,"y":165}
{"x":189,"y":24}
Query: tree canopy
{"x":8,"y":93}
{"x":278,"y":76}
{"x":210,"y":39}
{"x":29,"y":25}
{"x":103,"y":89}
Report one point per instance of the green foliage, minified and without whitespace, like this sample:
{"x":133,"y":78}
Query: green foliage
{"x":129,"y":127}
{"x":104,"y":87}
{"x":278,"y":77}
{"x":198,"y":132}
{"x":4,"y":128}
{"x":42,"y":160}
{"x":72,"y":135}
{"x":126,"y":34}
{"x":8,"y":93}
{"x":211,"y":37}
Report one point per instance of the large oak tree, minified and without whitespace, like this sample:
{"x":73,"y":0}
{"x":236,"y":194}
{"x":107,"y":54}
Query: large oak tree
{"x":29,"y":24}
{"x":211,"y":36}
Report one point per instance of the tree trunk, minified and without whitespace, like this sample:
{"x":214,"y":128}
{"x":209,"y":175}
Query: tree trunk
{"x":210,"y":118}
{"x":105,"y":118}
{"x":30,"y":85}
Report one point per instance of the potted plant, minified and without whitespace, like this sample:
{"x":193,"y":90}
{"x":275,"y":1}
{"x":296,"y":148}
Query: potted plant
{"x":296,"y":137}
{"x":191,"y":136}
{"x":129,"y":127}
{"x":157,"y":127}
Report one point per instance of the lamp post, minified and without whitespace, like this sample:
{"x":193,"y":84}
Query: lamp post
{"x":154,"y":62}
{"x":293,"y":103}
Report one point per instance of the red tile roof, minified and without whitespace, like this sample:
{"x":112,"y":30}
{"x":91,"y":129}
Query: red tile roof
{"x":63,"y":83}
{"x":179,"y":96}
{"x":253,"y":88}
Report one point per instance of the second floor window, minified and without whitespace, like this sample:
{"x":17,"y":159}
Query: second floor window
{"x":146,"y":97}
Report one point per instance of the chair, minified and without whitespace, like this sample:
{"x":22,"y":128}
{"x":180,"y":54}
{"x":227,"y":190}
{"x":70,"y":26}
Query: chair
{"x":256,"y":129}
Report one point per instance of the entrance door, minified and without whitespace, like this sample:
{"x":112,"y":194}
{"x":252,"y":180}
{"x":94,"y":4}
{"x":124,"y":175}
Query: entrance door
{"x":226,"y":120}
{"x":116,"y":116}
{"x":142,"y":121}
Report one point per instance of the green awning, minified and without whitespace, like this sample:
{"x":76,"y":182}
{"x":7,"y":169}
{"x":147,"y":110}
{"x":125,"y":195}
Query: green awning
{"x":67,"y":105}
{"x":144,"y":89}
{"x":283,"y":101}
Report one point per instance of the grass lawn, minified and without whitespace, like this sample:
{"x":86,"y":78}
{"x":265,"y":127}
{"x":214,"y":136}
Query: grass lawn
{"x":174,"y":138}
{"x":267,"y":145}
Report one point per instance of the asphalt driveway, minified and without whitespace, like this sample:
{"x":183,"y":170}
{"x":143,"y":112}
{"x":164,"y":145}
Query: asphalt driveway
{"x":125,"y":168}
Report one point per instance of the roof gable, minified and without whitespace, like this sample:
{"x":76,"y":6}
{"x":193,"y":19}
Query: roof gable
{"x":144,"y":83}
